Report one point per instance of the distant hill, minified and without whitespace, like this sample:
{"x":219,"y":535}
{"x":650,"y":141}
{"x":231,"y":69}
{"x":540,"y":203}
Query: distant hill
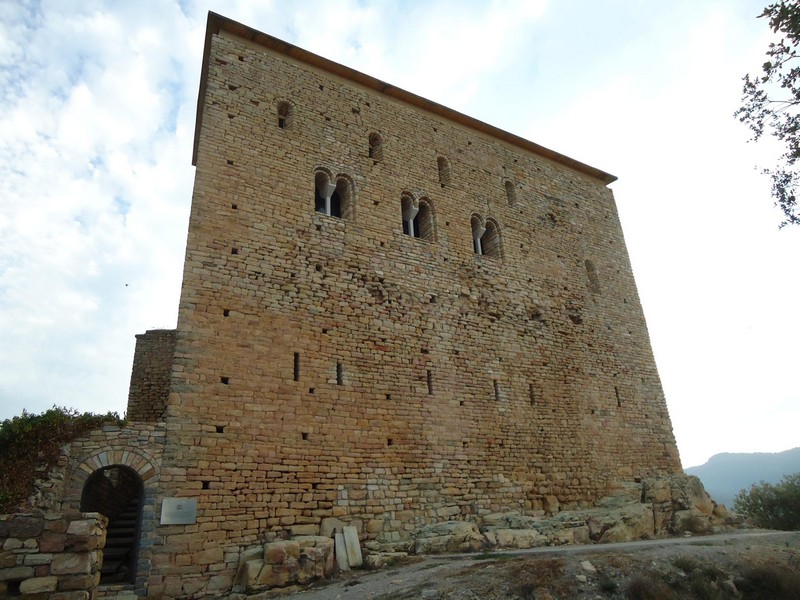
{"x":727,"y":473}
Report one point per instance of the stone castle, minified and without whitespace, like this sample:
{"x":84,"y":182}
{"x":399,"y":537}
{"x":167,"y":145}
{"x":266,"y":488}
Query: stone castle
{"x":392,"y":315}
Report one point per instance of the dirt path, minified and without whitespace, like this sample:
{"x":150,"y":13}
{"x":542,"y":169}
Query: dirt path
{"x":561,"y":572}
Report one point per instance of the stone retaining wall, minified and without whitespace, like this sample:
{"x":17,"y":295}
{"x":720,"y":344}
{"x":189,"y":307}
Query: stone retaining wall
{"x":52,"y":556}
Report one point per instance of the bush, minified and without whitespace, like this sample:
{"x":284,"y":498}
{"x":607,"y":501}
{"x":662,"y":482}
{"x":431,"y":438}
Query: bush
{"x":769,"y":582}
{"x":30,"y":444}
{"x":772,"y":506}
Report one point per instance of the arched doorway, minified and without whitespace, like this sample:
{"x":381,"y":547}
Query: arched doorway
{"x":116,"y":492}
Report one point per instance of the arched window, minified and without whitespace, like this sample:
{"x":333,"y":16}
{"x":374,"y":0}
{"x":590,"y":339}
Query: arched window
{"x":285,"y":112}
{"x":323,"y":192}
{"x":444,"y":170}
{"x":490,"y":241}
{"x":424,"y":224}
{"x":485,"y":236}
{"x":343,"y":203}
{"x":511,"y":193}
{"x":417,"y":218}
{"x":478,"y":229}
{"x":375,"y":146}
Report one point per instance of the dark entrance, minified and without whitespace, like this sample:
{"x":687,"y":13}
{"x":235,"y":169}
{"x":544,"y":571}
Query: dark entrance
{"x":116,"y":492}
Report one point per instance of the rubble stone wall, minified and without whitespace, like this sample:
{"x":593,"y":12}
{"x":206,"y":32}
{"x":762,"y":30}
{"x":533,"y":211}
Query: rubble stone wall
{"x":152,"y":365}
{"x":51,"y":556}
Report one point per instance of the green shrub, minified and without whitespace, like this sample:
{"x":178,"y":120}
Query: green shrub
{"x":772,"y":506}
{"x":30,"y":444}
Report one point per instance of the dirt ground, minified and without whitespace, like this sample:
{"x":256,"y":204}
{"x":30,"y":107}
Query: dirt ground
{"x":751,"y":565}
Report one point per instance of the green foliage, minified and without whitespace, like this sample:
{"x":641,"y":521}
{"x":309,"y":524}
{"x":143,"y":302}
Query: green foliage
{"x":772,"y":506}
{"x":771,"y":103}
{"x":30,"y":444}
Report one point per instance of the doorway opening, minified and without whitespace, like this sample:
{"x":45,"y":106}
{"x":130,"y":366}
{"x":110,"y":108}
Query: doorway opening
{"x":116,"y":492}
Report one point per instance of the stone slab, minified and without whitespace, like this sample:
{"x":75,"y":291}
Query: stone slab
{"x":341,"y":552}
{"x":353,"y":546}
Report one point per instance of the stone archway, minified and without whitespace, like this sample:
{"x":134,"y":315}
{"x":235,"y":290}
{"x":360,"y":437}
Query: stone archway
{"x":116,"y":491}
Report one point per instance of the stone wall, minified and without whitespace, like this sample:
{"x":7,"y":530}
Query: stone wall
{"x":52,"y":556}
{"x":337,"y":367}
{"x":152,"y":365}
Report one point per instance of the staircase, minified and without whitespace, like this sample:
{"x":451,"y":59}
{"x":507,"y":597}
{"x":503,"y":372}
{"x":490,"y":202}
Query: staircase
{"x":121,"y":542}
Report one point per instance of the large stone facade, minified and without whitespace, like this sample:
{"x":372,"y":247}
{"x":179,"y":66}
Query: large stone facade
{"x":329,"y":364}
{"x":392,"y":315}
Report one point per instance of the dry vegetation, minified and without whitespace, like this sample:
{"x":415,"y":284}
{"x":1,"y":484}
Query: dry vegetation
{"x":743,"y":568}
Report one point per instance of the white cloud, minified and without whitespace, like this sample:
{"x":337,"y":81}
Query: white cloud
{"x":97,"y":104}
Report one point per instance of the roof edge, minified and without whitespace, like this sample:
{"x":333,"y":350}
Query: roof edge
{"x":217,"y":23}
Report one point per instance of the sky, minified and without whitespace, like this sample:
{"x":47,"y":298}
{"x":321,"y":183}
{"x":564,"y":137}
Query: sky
{"x":97,"y":108}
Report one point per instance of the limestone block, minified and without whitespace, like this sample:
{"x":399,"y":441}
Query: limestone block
{"x":292,"y":549}
{"x":74,"y":595}
{"x":7,"y":559}
{"x":22,"y":526}
{"x":218,"y":583}
{"x":16,"y":573}
{"x":449,"y":536}
{"x":307,"y":529}
{"x":70,"y":563}
{"x":329,"y":526}
{"x":247,"y":574}
{"x":275,"y":553}
{"x":352,"y":546}
{"x":38,"y":585}
{"x":84,"y":527}
{"x":78,"y":582}
{"x":341,"y":552}
{"x":550,"y":504}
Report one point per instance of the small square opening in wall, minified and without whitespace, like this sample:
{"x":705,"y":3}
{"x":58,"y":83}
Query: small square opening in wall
{"x":312,"y":390}
{"x":234,"y":251}
{"x":220,"y":428}
{"x":389,"y":441}
{"x":461,"y":403}
{"x":230,"y":162}
{"x":224,"y":380}
{"x":226,"y":312}
{"x":304,"y":435}
{"x":206,"y":485}
{"x":388,"y":396}
{"x":234,"y":206}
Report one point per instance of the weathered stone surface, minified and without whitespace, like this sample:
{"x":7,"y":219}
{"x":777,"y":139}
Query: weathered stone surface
{"x":38,"y":585}
{"x":341,"y":552}
{"x":352,"y":546}
{"x":69,"y":564}
{"x":16,"y":573}
{"x":450,"y":536}
{"x":25,"y":527}
{"x":519,"y":538}
{"x":307,"y":529}
{"x":275,"y":553}
{"x":331,"y":525}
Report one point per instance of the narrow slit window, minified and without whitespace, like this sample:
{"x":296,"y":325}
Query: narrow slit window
{"x":511,"y":193}
{"x":375,"y":146}
{"x":430,"y":382}
{"x":339,"y":373}
{"x":532,"y":394}
{"x":296,"y":370}
{"x":284,"y":115}
{"x":619,"y":398}
{"x":444,"y":170}
{"x":496,"y":385}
